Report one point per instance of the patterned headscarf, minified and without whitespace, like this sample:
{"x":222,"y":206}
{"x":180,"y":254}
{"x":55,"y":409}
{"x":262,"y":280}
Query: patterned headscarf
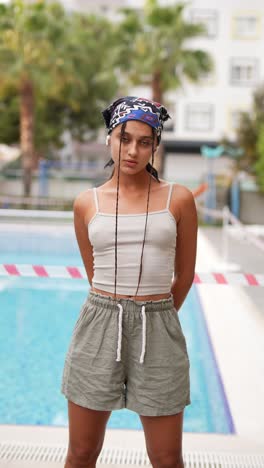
{"x":136,"y":108}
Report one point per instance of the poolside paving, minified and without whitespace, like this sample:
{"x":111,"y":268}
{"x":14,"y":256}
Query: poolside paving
{"x":235,"y":320}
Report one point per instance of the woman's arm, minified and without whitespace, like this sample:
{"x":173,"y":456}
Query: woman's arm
{"x":81,"y":203}
{"x":186,"y":245}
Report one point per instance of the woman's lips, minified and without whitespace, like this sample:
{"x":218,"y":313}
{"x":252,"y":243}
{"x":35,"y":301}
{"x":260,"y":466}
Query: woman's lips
{"x":130,"y":163}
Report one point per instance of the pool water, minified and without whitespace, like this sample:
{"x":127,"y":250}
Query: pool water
{"x":36,"y":321}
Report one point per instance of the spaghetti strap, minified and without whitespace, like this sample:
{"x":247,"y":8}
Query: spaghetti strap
{"x":169,"y":196}
{"x":95,"y":199}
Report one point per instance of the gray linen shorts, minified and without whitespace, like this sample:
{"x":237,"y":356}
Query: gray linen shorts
{"x":127,"y":354}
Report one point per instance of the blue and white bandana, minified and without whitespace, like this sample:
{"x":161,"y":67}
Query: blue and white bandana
{"x":136,"y":108}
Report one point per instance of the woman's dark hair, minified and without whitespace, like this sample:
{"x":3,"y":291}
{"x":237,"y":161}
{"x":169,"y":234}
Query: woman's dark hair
{"x":152,"y":172}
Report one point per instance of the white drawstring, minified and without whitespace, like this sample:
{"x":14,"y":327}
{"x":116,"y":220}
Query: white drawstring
{"x":120,"y":315}
{"x":119,"y":332}
{"x":143,"y":334}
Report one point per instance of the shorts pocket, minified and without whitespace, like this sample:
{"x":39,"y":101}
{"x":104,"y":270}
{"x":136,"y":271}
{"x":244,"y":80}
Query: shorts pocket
{"x":175,"y":315}
{"x":84,"y":312}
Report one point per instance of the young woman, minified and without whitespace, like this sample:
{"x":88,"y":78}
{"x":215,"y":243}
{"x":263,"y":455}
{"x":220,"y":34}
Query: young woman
{"x":137,"y":236}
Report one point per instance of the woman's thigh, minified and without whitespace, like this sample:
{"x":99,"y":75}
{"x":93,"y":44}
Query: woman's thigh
{"x":86,"y":429}
{"x":163,"y":436}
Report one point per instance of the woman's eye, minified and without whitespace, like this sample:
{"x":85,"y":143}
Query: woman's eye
{"x":145,"y":143}
{"x":124,"y":139}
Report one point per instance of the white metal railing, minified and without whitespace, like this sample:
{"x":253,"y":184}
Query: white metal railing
{"x":236,"y":226}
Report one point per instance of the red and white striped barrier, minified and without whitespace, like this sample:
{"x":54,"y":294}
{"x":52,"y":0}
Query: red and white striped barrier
{"x":54,"y":271}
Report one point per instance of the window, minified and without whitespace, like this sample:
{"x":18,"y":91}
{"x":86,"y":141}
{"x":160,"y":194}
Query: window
{"x":235,"y":118}
{"x":199,"y":117}
{"x":244,"y":71}
{"x":246,"y":26}
{"x":208,"y":18}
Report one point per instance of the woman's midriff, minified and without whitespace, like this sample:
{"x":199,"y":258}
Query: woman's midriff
{"x":153,"y":297}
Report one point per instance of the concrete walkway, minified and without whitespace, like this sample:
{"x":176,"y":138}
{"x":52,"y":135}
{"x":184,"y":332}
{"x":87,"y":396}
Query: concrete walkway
{"x":235,"y":319}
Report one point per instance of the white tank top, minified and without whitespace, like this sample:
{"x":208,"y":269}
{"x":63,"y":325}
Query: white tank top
{"x":158,"y":254}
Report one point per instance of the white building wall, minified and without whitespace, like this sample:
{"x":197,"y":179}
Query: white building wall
{"x":217,"y":91}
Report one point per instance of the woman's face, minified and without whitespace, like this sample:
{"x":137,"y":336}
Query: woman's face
{"x":136,"y":146}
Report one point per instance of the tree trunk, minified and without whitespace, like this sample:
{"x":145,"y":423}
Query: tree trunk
{"x":157,"y":96}
{"x":156,"y":87}
{"x":27,"y":133}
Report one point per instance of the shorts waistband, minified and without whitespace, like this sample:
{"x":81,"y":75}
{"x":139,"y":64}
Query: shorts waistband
{"x":110,"y":303}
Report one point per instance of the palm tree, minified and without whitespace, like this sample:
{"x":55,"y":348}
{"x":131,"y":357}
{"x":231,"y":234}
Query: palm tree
{"x":56,"y":62}
{"x":153,"y":48}
{"x":31,"y":58}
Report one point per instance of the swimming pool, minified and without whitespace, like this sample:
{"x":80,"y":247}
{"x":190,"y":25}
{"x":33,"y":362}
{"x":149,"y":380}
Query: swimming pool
{"x":36,"y":322}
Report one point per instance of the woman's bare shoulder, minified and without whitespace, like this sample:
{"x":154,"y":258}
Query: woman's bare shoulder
{"x":179,"y":189}
{"x":183,"y":201}
{"x":82,"y":196}
{"x":182,"y":192}
{"x":83,"y":200}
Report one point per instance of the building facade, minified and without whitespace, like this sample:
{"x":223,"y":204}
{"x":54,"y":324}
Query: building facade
{"x":235,"y":39}
{"x":209,"y":109}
